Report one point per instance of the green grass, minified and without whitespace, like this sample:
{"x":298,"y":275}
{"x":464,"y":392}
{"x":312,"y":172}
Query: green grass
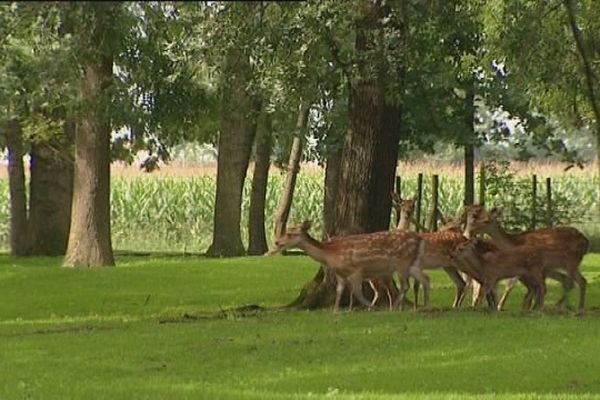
{"x":153,"y":328}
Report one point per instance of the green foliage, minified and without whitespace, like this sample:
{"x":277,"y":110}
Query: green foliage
{"x":159,"y":327}
{"x":546,"y":74}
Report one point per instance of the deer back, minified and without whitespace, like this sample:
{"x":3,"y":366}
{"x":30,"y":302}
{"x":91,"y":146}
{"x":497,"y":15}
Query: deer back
{"x":373,"y":252}
{"x":439,"y":247}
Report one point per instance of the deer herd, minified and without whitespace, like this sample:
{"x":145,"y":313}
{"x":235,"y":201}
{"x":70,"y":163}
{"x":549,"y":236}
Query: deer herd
{"x":468,"y":259}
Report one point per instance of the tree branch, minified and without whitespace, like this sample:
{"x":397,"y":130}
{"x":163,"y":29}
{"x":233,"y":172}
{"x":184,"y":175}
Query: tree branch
{"x":335,"y":53}
{"x":591,"y":79}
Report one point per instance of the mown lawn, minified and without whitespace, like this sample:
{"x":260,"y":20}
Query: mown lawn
{"x":156,"y":328}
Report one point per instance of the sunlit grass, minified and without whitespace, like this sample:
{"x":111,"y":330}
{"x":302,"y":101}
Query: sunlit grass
{"x":159,"y":327}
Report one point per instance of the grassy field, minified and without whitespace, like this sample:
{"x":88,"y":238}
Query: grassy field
{"x":158,"y":328}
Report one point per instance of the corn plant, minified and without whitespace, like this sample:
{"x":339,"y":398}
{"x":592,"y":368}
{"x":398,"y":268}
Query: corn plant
{"x":176,"y":213}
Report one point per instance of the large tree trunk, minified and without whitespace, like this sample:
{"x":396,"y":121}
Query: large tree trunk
{"x":257,"y":239}
{"x":369,"y":157}
{"x":235,"y":146}
{"x":385,"y":168}
{"x":51,"y":193}
{"x":18,"y":197}
{"x":89,"y":237}
{"x":287,"y":195}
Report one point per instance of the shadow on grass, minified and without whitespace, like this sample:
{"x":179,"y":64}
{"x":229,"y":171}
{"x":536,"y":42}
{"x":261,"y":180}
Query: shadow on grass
{"x":247,"y":311}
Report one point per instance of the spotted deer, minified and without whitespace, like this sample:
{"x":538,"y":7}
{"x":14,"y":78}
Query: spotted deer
{"x":488,"y":266}
{"x":438,"y":248}
{"x":369,"y":256}
{"x":386,"y":283}
{"x":566,"y":244}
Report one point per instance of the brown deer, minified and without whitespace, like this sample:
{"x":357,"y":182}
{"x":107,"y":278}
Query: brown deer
{"x":488,"y":266}
{"x":368,"y":256}
{"x":566,"y":244}
{"x":438,"y":248}
{"x":387,"y":283}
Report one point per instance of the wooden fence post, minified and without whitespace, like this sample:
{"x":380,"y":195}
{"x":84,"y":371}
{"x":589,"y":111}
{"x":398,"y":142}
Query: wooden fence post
{"x":433,"y":218}
{"x":419,"y":201}
{"x":549,"y":211}
{"x":533,"y":201}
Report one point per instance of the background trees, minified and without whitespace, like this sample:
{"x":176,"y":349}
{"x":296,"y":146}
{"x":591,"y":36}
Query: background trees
{"x":376,"y":81}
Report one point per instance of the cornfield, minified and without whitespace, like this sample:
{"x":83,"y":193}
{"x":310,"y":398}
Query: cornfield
{"x":175,"y":213}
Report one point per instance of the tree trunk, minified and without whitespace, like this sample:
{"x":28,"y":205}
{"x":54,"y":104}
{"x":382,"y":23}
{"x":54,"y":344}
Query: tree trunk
{"x":235,"y":146}
{"x":257,"y":241}
{"x":51,"y":194}
{"x":386,"y":162}
{"x":591,"y":77}
{"x":369,"y":157}
{"x":332,"y":177}
{"x":469,"y":146}
{"x":287,"y":195}
{"x":89,"y":237}
{"x":18,"y":197}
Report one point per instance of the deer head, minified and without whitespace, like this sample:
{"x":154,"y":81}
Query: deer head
{"x":290,"y":238}
{"x":405,"y":209}
{"x":464,"y":247}
{"x":479,"y":220}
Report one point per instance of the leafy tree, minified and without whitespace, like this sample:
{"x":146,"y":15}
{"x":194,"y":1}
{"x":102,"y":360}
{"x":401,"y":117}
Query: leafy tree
{"x":36,"y":78}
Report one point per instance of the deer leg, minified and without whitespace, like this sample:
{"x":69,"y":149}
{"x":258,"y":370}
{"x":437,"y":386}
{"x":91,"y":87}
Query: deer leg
{"x":416,"y":292}
{"x":390,"y":299}
{"x":488,"y":289}
{"x":541,"y":292}
{"x":492,"y":298}
{"x":567,"y":284}
{"x":460,"y":286}
{"x":404,"y":286}
{"x":419,"y":275}
{"x":355,"y":281}
{"x":582,"y":283}
{"x":509,"y":288}
{"x":375,"y":291}
{"x":479,"y":294}
{"x":526,"y":304}
{"x":339,"y":290}
{"x":476,"y":290}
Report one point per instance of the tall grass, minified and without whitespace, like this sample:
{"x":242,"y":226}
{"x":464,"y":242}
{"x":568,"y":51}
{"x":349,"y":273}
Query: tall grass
{"x":174,"y":212}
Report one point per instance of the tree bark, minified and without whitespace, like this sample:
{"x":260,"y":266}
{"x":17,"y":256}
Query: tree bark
{"x":51,"y":193}
{"x":287,"y":195}
{"x":257,"y":241}
{"x":89,"y":237}
{"x":18,"y":197}
{"x":235,"y":146}
{"x":332,"y":178}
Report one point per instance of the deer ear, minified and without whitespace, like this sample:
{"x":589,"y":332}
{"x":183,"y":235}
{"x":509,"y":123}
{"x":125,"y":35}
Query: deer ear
{"x":306,"y":225}
{"x":395,"y":197}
